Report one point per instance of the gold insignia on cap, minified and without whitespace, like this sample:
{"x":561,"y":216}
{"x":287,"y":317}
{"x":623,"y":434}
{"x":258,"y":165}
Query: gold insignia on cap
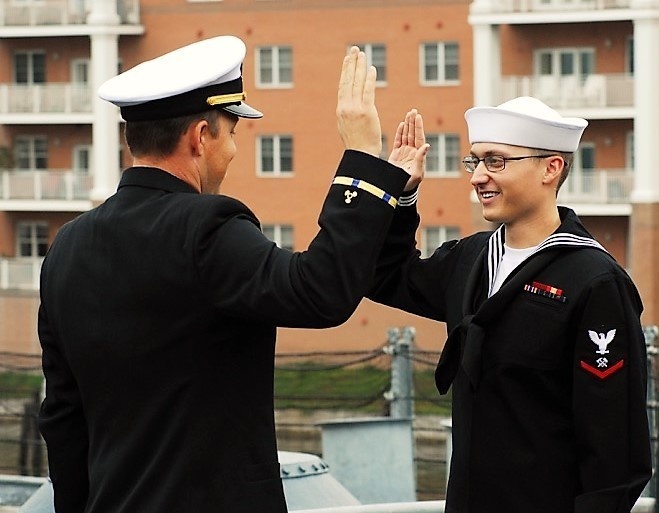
{"x":222,"y":99}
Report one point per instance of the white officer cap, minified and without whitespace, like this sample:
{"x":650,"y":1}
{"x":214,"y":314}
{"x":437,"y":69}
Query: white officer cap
{"x":189,"y":80}
{"x":527,"y":122}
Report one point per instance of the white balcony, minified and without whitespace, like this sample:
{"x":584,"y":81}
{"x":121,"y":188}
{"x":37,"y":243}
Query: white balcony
{"x":558,"y":6}
{"x":30,"y":13}
{"x":20,"y":273}
{"x":45,"y":185}
{"x":49,"y":98}
{"x":597,"y":186}
{"x":594,"y":91}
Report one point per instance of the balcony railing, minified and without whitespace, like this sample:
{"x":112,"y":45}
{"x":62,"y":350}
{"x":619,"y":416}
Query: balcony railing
{"x":598,"y":186}
{"x":503,"y":6}
{"x":45,"y":185}
{"x":20,"y":273}
{"x":59,"y":12}
{"x":45,"y":98}
{"x":591,"y":91}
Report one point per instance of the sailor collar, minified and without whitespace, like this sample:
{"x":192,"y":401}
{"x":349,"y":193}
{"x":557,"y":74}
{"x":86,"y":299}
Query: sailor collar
{"x":570,"y":233}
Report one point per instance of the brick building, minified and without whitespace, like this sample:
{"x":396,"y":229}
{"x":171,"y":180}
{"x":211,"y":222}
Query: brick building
{"x":61,"y":149}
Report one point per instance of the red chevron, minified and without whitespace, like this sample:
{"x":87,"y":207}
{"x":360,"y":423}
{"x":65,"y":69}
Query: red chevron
{"x":602,"y":374}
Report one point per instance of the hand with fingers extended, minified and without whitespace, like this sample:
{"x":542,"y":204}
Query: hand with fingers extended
{"x":410,"y":148}
{"x":357,"y":117}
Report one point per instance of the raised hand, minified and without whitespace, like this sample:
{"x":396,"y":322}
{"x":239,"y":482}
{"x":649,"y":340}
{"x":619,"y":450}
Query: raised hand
{"x":410,"y":148}
{"x":357,"y":117}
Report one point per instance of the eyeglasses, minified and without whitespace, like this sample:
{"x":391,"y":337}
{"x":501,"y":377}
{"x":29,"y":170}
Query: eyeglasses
{"x":494,"y":163}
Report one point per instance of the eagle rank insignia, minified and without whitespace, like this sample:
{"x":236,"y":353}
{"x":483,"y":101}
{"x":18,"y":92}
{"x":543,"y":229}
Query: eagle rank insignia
{"x":601,"y":367}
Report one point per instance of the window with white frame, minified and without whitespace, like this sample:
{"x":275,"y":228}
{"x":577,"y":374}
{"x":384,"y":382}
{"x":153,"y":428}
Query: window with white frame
{"x":629,"y":55}
{"x":274,"y":66}
{"x":376,"y":55}
{"x":82,"y":156}
{"x":582,"y":178}
{"x":31,"y":239}
{"x":434,"y":236}
{"x":80,"y":71}
{"x":31,"y":152}
{"x":275,"y":155}
{"x":440,"y":63}
{"x":565,"y":62}
{"x":280,"y":234}
{"x":629,"y":150}
{"x":30,"y":67}
{"x":443,"y":157}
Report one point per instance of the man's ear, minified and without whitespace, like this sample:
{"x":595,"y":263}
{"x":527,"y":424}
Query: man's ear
{"x":195,"y":135}
{"x":553,"y":169}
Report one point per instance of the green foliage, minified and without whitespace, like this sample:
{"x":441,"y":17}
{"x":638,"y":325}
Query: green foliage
{"x":308,"y":386}
{"x":19,"y":384}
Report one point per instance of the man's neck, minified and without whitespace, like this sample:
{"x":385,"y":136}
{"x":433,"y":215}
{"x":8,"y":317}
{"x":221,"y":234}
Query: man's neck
{"x":171,"y":166}
{"x":529,"y":233}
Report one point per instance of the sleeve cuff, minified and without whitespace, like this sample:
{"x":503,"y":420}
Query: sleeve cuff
{"x":409,"y":199}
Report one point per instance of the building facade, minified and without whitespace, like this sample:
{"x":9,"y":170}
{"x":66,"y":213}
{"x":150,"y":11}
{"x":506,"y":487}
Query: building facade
{"x":61,"y":149}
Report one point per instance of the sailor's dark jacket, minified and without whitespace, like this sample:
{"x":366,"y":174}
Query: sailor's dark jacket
{"x":548,"y":374}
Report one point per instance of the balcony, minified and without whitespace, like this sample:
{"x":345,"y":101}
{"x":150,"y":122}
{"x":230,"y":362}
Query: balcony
{"x":596,"y":91}
{"x":45,"y":190}
{"x":67,"y":98}
{"x":20,"y":273}
{"x":557,"y":6}
{"x":598,"y":186}
{"x":58,"y":12}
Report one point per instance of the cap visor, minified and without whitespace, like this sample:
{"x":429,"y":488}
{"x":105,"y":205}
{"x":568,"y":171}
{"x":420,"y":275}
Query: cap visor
{"x":243,"y":110}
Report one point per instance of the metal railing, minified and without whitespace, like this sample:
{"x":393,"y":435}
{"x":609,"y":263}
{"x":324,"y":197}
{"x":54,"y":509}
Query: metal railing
{"x":45,"y":185}
{"x":59,"y":12}
{"x":49,"y":98}
{"x":568,"y":92}
{"x":643,"y":505}
{"x":598,"y":186}
{"x":20,"y":273}
{"x":503,"y":6}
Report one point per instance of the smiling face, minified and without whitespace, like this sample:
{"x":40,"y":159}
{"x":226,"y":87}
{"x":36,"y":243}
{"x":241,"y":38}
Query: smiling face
{"x":522,"y":192}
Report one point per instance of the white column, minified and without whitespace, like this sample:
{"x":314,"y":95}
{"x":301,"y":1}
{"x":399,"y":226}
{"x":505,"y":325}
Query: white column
{"x":646,"y":101}
{"x":487,"y":64}
{"x":105,"y":128}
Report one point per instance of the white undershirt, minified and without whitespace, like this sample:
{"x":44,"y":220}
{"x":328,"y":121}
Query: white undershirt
{"x":512,"y":257}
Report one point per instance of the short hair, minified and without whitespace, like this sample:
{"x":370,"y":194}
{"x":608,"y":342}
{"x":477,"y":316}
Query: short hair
{"x":567,"y":157}
{"x":159,"y":138}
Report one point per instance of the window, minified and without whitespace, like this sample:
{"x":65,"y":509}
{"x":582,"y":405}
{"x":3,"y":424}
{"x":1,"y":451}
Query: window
{"x":629,"y":150}
{"x":440,"y":63}
{"x":275,"y":154}
{"x":31,"y":239}
{"x":274,"y":66}
{"x":444,"y":157}
{"x":582,"y":178}
{"x":82,"y":155}
{"x":30,"y":67}
{"x":629,"y":55}
{"x":434,"y":236}
{"x":80,"y":71}
{"x":565,"y":62}
{"x":376,"y":55}
{"x":31,"y":152}
{"x":280,"y":234}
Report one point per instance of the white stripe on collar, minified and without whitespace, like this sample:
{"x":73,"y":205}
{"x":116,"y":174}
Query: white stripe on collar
{"x":495,"y":248}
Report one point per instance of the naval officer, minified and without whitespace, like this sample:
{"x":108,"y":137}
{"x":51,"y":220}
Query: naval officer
{"x":159,"y":307}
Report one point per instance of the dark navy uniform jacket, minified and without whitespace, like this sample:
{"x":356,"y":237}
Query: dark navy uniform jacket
{"x":548,"y":374}
{"x":158,"y":318}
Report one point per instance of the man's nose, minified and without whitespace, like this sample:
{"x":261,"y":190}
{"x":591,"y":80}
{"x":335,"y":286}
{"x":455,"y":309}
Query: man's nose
{"x":479,"y":175}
